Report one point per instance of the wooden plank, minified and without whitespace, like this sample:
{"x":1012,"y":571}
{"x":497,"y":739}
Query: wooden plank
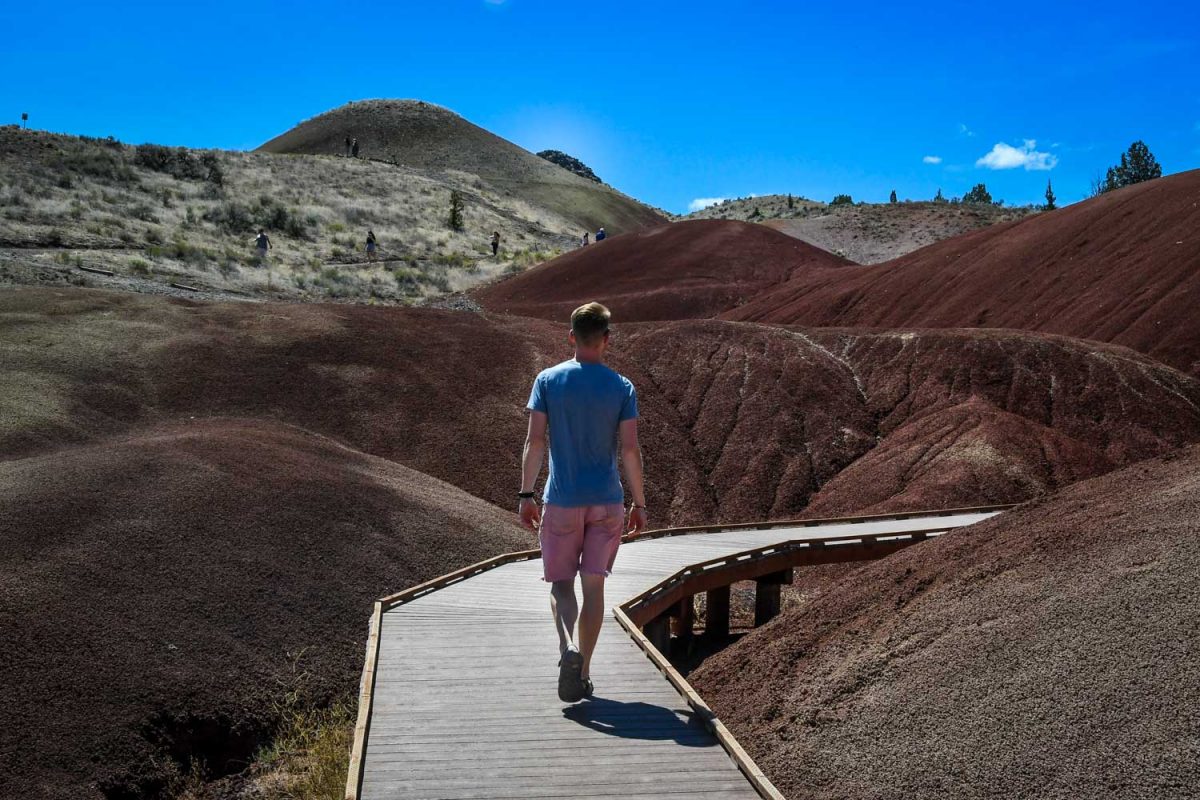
{"x":761,"y":783}
{"x":366,"y":692}
{"x":455,"y":714}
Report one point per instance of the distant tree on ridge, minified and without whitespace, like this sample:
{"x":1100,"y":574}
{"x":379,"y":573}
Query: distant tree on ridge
{"x":1137,"y":164}
{"x":842,"y":200}
{"x":892,"y":199}
{"x":978,"y":194}
{"x":1050,"y":198}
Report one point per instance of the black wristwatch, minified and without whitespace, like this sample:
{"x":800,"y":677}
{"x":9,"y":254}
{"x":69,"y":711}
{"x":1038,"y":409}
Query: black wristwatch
{"x":525,"y":495}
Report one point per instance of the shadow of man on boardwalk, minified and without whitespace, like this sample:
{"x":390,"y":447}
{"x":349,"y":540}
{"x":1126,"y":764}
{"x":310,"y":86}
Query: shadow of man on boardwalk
{"x":640,"y":721}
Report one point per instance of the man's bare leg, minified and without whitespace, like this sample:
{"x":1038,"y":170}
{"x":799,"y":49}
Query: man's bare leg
{"x":591,"y":619}
{"x":565,"y":609}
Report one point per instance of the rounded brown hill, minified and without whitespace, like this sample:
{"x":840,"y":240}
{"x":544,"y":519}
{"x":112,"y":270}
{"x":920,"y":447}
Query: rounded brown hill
{"x":1046,"y":653}
{"x":684,"y":270}
{"x":165,"y":589}
{"x":426,"y":136}
{"x":1123,"y":267}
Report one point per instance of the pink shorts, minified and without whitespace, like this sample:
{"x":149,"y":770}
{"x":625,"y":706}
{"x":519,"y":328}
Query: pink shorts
{"x":580,"y":539}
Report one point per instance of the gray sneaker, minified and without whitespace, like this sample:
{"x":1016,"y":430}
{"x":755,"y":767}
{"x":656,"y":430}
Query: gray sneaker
{"x":570,"y":684}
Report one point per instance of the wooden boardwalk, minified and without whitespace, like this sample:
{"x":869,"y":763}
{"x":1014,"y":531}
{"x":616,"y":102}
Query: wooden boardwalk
{"x":460,"y":701}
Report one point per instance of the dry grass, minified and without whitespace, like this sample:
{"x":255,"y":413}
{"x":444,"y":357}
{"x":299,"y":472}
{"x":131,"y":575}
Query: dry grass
{"x":63,"y":198}
{"x":310,"y":756}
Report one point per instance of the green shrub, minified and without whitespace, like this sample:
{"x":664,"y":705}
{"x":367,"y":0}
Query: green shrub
{"x":140,"y":266}
{"x":176,"y":161}
{"x":154,"y":236}
{"x":103,"y":164}
{"x":842,"y":200}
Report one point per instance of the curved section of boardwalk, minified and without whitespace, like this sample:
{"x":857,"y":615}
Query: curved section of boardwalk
{"x":460,"y":700}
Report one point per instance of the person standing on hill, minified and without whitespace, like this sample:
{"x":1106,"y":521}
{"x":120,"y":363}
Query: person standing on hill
{"x":587,"y":409}
{"x":495,"y":243}
{"x":262,"y":243}
{"x":354,"y":148}
{"x":371,"y":245}
{"x":600,"y":235}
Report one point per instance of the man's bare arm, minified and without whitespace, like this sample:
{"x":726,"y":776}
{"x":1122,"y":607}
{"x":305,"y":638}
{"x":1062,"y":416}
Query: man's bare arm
{"x":531,"y":465}
{"x":631,"y":458}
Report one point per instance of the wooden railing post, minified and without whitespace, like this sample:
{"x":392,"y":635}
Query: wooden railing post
{"x":767,"y":595}
{"x":716,"y":611}
{"x":658,"y":631}
{"x":683,"y":618}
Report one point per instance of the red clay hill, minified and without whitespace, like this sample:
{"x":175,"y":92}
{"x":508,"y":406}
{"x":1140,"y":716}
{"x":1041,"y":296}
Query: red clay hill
{"x":1123,"y":267}
{"x":684,"y":270}
{"x":1048,"y":653}
{"x":195,"y":491}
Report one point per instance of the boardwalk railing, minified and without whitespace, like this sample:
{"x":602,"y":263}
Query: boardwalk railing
{"x":656,"y":605}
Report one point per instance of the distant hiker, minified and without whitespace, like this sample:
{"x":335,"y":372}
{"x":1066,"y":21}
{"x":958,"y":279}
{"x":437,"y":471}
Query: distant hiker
{"x":600,"y":234}
{"x":354,"y":148}
{"x":495,"y":243}
{"x":586,"y":407}
{"x":262,"y":243}
{"x":585,"y":239}
{"x":370,"y":245}
{"x":347,"y":147}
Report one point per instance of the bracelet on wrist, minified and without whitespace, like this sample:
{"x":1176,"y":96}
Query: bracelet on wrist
{"x":525,"y":495}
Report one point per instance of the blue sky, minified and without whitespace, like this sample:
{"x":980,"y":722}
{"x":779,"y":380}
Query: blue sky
{"x":669,"y":102}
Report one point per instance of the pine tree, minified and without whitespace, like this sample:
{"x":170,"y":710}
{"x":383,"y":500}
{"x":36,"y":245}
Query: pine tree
{"x":1050,"y":206}
{"x":456,"y":211}
{"x":791,"y":201}
{"x":979,"y":194}
{"x":892,"y":199}
{"x":1137,"y":164}
{"x":939,"y":197}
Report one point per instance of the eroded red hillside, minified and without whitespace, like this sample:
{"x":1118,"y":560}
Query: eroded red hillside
{"x":1044,"y":653}
{"x":684,"y":270}
{"x":1123,"y":267}
{"x":162,"y":590}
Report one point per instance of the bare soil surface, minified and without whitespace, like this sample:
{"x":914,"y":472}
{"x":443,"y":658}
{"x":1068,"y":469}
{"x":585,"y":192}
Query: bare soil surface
{"x":164,"y":590}
{"x":417,"y":134}
{"x":684,"y":270}
{"x":865,"y":233}
{"x":239,"y":480}
{"x":1123,"y":267}
{"x":874,"y":233}
{"x":1046,"y":653}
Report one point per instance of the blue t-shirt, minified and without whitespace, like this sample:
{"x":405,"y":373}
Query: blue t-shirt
{"x":585,"y":404}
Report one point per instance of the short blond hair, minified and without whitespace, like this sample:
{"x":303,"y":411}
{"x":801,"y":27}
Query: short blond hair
{"x":589,"y":322}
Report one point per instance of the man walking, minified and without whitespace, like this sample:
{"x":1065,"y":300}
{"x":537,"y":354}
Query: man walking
{"x":587,"y":408}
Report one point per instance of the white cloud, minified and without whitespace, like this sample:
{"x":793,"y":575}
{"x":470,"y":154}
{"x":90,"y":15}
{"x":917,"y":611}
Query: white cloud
{"x":705,"y":202}
{"x":964,"y":130}
{"x":932,"y":159}
{"x":1005,"y":156}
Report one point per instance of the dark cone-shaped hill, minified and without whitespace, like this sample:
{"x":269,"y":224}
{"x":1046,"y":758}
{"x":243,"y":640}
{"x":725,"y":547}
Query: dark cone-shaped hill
{"x":1048,"y":653}
{"x":1123,"y":267}
{"x":684,"y":270}
{"x":162,"y":590}
{"x":426,"y":136}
